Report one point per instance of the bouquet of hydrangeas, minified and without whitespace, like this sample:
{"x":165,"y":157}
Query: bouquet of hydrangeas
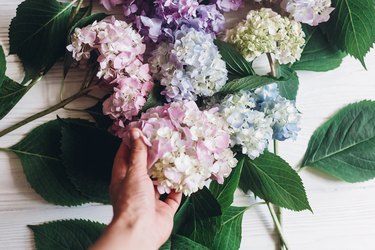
{"x":173,"y":69}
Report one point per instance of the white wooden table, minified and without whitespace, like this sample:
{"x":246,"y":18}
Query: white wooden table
{"x":344,"y":214}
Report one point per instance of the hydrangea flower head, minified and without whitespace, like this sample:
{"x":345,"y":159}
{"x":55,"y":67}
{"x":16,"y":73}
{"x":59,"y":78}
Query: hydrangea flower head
{"x":190,"y":67}
{"x":250,"y":128}
{"x":118,"y":46}
{"x":265,"y":31}
{"x":311,"y":12}
{"x":186,"y":146}
{"x":284,"y":114}
{"x":158,"y":20}
{"x":119,"y":51}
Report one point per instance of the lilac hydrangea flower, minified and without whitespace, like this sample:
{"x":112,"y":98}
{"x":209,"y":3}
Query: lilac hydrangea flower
{"x":159,"y":20}
{"x":311,"y":12}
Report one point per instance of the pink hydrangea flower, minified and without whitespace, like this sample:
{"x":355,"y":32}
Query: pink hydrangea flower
{"x":187,"y":146}
{"x":128,"y":98}
{"x":118,"y":46}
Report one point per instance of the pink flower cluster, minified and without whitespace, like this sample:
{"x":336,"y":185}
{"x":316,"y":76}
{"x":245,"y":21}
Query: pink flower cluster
{"x":187,"y":146}
{"x":119,"y":50}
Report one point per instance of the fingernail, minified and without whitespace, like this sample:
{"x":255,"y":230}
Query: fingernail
{"x":135,"y":135}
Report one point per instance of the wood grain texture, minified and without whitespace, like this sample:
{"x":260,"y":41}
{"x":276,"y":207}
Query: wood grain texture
{"x":343,"y":215}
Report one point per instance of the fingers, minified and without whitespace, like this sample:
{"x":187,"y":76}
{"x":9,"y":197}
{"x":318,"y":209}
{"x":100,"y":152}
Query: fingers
{"x":173,"y":200}
{"x":138,"y":153}
{"x":120,"y":165}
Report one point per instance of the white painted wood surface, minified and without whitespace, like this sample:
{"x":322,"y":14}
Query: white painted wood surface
{"x":344,"y":214}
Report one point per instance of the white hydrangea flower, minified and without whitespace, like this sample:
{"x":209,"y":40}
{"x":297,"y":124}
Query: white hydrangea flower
{"x":250,"y":128}
{"x":190,"y":67}
{"x":311,"y":12}
{"x":265,"y":31}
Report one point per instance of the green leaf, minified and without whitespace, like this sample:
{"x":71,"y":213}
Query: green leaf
{"x":246,"y":83}
{"x":350,"y":27}
{"x":272,"y":179}
{"x":96,"y":111}
{"x":88,"y":153}
{"x":68,"y":59}
{"x":155,"y":98}
{"x":318,"y":55}
{"x":202,"y":221}
{"x":344,"y":146}
{"x":38,"y":33}
{"x":39,"y":153}
{"x":237,"y":65}
{"x":2,"y":65}
{"x":224,"y":193}
{"x":254,"y":81}
{"x":181,"y":214}
{"x":67,"y":234}
{"x":289,"y":87}
{"x":10,"y":94}
{"x":230,"y":234}
{"x":179,"y":242}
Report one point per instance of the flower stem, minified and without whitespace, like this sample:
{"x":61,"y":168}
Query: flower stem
{"x":272,"y":65}
{"x":51,"y":109}
{"x":283,"y":244}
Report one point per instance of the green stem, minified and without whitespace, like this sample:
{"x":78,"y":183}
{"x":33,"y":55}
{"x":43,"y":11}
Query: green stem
{"x":283,"y":244}
{"x":51,"y":109}
{"x":272,"y":65}
{"x":76,"y":9}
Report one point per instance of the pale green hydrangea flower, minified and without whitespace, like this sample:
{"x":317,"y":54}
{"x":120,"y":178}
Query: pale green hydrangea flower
{"x":265,"y":31}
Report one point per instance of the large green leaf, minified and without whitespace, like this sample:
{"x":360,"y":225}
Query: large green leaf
{"x":350,"y":27}
{"x":2,"y":65}
{"x":272,"y":179}
{"x":288,"y":88}
{"x":39,"y":153}
{"x":344,"y":146}
{"x":179,"y":242}
{"x":10,"y":94}
{"x":181,"y":214}
{"x":38,"y":33}
{"x":230,"y":234}
{"x":203,"y":219}
{"x":254,"y":81}
{"x":224,"y":193}
{"x":237,"y":65}
{"x":88,"y":153}
{"x":318,"y":54}
{"x":67,"y":234}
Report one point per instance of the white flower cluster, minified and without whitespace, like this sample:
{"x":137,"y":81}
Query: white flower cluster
{"x":311,"y":12}
{"x":249,"y":128}
{"x":265,"y":31}
{"x":190,"y":67}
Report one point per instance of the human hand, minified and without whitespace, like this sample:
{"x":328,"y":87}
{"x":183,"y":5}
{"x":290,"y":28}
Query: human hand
{"x":140,"y":219}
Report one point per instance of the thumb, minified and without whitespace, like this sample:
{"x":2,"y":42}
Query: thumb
{"x":138,"y":153}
